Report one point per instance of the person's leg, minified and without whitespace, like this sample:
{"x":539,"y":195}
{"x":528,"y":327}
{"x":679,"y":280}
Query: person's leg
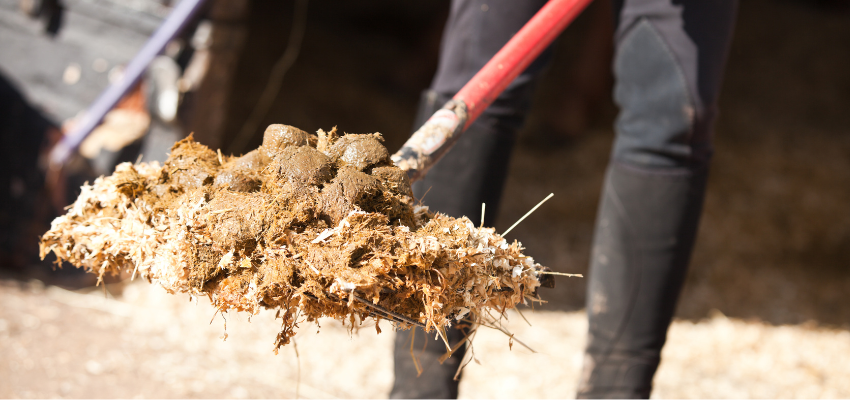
{"x":668,"y":66}
{"x":473,"y":171}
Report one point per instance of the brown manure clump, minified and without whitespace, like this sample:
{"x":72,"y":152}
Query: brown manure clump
{"x":311,"y":226}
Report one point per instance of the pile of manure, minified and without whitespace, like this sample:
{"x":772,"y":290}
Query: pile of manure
{"x":309,"y":225}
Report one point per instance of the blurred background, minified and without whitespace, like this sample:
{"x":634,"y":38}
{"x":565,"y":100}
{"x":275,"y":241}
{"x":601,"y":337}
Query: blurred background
{"x":765,"y":311}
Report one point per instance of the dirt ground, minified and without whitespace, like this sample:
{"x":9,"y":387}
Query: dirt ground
{"x":144,"y":343}
{"x":764,"y":313}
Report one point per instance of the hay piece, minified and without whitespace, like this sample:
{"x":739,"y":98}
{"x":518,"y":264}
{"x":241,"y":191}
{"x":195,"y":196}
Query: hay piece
{"x":302,"y":225}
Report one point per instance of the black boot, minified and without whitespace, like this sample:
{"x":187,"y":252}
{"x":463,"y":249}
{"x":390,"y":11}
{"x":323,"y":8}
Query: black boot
{"x":645,"y":231}
{"x":437,"y":380}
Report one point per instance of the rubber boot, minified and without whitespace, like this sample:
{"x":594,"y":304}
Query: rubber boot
{"x":644,"y":235}
{"x":436,"y":380}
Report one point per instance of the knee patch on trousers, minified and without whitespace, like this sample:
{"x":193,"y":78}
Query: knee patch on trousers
{"x":655,"y":124}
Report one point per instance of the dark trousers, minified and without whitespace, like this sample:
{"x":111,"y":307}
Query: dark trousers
{"x":668,"y":64}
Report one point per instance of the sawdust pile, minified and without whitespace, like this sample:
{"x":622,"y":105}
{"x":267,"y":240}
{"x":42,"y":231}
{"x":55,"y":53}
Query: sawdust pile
{"x":309,"y":225}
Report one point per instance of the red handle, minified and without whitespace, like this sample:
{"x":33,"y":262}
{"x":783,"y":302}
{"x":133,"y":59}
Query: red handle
{"x":517,"y":54}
